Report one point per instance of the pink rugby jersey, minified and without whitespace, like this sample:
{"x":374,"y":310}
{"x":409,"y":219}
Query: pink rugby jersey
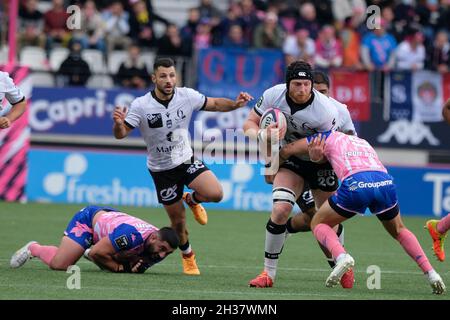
{"x":349,"y":155}
{"x":126,"y":233}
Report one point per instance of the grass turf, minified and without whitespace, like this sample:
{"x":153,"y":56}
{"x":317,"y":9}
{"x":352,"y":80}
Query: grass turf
{"x":229,"y":249}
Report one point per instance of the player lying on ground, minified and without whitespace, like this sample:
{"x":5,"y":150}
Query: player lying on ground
{"x":365,"y":184}
{"x":113,"y":240}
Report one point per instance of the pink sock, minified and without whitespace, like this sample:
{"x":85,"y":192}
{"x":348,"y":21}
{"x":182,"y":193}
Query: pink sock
{"x":45,"y":253}
{"x":329,"y":239}
{"x":444,"y":224}
{"x":409,"y":242}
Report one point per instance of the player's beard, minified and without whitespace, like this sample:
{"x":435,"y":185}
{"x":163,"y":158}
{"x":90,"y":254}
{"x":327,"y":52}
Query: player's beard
{"x":163,"y":91}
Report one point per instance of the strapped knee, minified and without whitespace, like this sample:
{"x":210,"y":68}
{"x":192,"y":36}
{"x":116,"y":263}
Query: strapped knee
{"x":283,"y":195}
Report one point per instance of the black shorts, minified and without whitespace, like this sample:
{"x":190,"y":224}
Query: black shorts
{"x":306,"y":200}
{"x":170,"y":183}
{"x":319,"y":176}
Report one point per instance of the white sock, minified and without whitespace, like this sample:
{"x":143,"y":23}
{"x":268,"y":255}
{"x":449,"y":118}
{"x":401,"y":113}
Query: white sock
{"x":274,"y":244}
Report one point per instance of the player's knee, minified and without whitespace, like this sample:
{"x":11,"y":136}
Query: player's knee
{"x":58,"y":265}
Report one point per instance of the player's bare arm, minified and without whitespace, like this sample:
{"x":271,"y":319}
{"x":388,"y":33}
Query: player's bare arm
{"x":102,"y":254}
{"x":15,"y":113}
{"x":297,"y":148}
{"x":225,"y":105}
{"x":120,"y":129}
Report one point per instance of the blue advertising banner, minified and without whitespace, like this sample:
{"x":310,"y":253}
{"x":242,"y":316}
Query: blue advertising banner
{"x":399,"y":89}
{"x":226,"y":72}
{"x":122,"y":179}
{"x":77,"y":111}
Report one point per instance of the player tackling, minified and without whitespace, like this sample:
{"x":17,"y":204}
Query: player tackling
{"x":365,"y":184}
{"x":15,"y":97}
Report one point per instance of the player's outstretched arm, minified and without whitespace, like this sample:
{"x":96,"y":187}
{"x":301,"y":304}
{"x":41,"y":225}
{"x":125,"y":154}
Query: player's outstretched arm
{"x":15,"y":113}
{"x":120,"y":129}
{"x":225,"y":105}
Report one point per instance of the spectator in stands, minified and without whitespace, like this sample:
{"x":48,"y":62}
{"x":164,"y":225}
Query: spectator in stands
{"x":299,"y":47}
{"x":234,"y":16}
{"x":351,"y":44}
{"x":203,"y":37}
{"x":438,"y":55}
{"x":410,"y":53}
{"x":324,"y":12}
{"x":171,"y":44}
{"x":55,"y":25}
{"x":308,"y":20}
{"x":93,"y":28}
{"x":31,"y":25}
{"x":378,"y":49}
{"x":141,"y":23}
{"x":269,"y":33}
{"x":208,"y":10}
{"x":249,"y":20}
{"x":235,"y":38}
{"x":74,"y":69}
{"x":404,"y":15}
{"x":329,"y":52}
{"x":343,"y":9}
{"x":189,"y":30}
{"x":133,"y":72}
{"x":117,"y":26}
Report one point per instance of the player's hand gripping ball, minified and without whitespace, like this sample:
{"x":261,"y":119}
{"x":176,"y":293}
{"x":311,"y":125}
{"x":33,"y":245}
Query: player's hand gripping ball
{"x":273,"y":117}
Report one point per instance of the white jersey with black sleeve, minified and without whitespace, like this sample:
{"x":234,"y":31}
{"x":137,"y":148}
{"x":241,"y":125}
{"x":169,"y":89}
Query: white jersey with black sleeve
{"x":318,"y":114}
{"x":164,"y":125}
{"x":9,"y":91}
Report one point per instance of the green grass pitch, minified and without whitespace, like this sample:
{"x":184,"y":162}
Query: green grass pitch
{"x":229,"y":249}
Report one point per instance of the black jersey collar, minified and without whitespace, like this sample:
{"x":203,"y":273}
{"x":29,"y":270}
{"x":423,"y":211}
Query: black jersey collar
{"x":165,"y":103}
{"x":296,"y":106}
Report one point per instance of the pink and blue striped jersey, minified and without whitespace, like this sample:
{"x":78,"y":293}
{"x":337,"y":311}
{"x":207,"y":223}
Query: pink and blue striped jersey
{"x":126,"y":233}
{"x":349,"y":154}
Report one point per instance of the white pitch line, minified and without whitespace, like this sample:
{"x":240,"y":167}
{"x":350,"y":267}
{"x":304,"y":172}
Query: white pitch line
{"x":200,"y":291}
{"x":258,"y":267}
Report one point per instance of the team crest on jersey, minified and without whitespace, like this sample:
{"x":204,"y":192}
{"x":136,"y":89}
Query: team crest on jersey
{"x":180,"y":115}
{"x":155,"y":120}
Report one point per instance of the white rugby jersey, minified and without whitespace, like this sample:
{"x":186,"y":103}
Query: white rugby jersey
{"x":9,"y":91}
{"x":165,"y":129}
{"x":319,"y":114}
{"x":345,"y":122}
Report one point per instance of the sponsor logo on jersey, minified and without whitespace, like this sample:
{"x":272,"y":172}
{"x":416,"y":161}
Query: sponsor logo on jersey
{"x":169,"y":123}
{"x":121,"y":242}
{"x":155,"y":120}
{"x":169,"y":193}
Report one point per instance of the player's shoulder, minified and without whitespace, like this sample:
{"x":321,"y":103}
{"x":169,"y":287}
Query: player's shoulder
{"x":339,"y":105}
{"x":4,"y":77}
{"x":276,"y":89}
{"x":185,"y":91}
{"x":142,"y":100}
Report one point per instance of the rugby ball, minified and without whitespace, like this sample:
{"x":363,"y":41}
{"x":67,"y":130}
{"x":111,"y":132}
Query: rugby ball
{"x":274,"y":115}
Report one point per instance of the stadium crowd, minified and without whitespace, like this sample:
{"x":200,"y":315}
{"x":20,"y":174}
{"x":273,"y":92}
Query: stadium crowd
{"x":409,"y":35}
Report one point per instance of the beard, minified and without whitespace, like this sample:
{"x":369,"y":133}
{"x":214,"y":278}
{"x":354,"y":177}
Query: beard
{"x":163,"y":91}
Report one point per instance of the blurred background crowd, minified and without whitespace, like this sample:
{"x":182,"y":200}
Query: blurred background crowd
{"x":119,"y":39}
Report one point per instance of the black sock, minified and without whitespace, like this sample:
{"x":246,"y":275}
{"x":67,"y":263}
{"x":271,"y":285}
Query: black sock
{"x":289,"y":227}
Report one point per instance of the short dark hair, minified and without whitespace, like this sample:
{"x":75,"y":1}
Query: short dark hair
{"x":321,"y":77}
{"x":170,"y":236}
{"x":163,"y":62}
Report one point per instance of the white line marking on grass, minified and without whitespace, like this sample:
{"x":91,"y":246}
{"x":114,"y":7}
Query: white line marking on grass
{"x":200,"y":291}
{"x":210,"y":266}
